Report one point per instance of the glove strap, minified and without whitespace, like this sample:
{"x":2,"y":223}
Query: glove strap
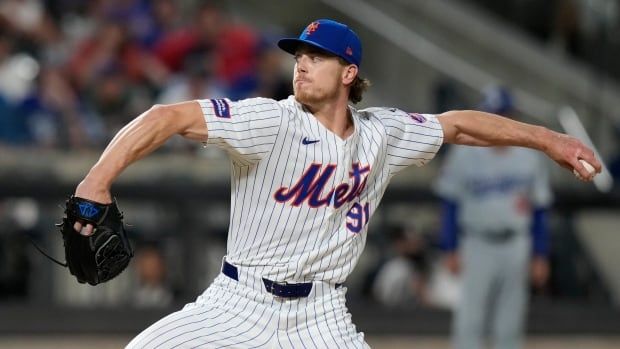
{"x":88,"y":210}
{"x":45,"y":254}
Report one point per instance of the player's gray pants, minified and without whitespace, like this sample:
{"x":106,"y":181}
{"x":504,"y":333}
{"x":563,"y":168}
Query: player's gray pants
{"x":495,"y":283}
{"x":232,"y":315}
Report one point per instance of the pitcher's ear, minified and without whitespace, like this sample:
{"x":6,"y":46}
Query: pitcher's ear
{"x":349,"y":74}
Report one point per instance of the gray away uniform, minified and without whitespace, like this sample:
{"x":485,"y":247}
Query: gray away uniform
{"x":495,"y":190}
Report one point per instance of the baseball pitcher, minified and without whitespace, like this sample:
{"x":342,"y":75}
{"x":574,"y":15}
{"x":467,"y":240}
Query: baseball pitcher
{"x":308,"y":173}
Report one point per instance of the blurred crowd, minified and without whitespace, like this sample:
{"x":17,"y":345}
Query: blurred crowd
{"x":73,"y":72}
{"x":586,"y":29}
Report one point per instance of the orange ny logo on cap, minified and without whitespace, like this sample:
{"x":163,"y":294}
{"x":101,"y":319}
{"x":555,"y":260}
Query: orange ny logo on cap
{"x":312,"y":27}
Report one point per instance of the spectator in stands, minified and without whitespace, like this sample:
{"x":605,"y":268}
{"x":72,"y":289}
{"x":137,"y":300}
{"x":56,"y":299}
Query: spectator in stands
{"x":111,"y":48}
{"x":402,"y":278}
{"x":13,"y":128}
{"x":55,"y":116}
{"x":195,"y":82}
{"x":151,"y":289}
{"x":270,"y":81}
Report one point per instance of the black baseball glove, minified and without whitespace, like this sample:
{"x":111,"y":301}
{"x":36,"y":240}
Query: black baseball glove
{"x":104,"y":254}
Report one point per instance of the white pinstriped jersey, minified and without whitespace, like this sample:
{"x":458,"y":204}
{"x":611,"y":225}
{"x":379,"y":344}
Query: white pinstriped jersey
{"x":301,"y":196}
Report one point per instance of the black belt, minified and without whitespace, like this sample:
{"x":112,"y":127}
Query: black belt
{"x":279,"y":289}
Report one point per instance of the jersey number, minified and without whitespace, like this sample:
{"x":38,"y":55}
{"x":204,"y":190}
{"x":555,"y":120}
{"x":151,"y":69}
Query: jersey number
{"x":357,"y":217}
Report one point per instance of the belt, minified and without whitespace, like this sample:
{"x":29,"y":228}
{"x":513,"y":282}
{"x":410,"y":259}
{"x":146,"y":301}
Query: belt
{"x":278,"y":289}
{"x":499,"y":236}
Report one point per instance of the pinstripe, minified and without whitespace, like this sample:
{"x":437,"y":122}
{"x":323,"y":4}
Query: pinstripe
{"x":181,"y":321}
{"x":227,"y":330}
{"x":263,"y":345}
{"x":279,"y":328}
{"x":242,"y":247}
{"x":251,"y":146}
{"x":323,"y":221}
{"x":344,"y":335}
{"x":251,"y":326}
{"x":250,"y":340}
{"x":235,"y":213}
{"x":411,"y":132}
{"x":330,"y":228}
{"x":246,"y":227}
{"x":243,"y":218}
{"x":271,"y":258}
{"x":225,"y":313}
{"x":156,"y":330}
{"x":305,"y":322}
{"x":407,"y":157}
{"x":221,"y":291}
{"x":249,"y":225}
{"x":233,"y":129}
{"x":310,"y":126}
{"x":248,"y":138}
{"x":327,"y":324}
{"x":317,"y":321}
{"x":313,"y":223}
{"x":388,"y":117}
{"x":256,"y":119}
{"x":409,"y":141}
{"x":288,"y":334}
{"x":306,"y":124}
{"x":285,"y":134}
{"x":335,"y":233}
{"x":297,"y":219}
{"x":267,"y":246}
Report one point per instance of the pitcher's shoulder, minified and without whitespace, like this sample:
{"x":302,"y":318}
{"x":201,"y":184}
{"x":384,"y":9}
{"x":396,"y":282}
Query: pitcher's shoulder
{"x":291,"y":106}
{"x":382,"y":112}
{"x":391,"y":115}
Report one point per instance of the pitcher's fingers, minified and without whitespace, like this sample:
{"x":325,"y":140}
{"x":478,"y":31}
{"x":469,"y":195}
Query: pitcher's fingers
{"x":87,"y":230}
{"x":589,"y":156}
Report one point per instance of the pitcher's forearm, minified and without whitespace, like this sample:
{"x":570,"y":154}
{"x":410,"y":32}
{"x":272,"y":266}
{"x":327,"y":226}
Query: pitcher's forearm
{"x":137,"y":139}
{"x":142,"y":136}
{"x":471,"y":127}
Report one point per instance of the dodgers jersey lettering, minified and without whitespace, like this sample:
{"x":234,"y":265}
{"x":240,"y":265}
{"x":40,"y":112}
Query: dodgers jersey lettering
{"x":499,"y":192}
{"x":301,"y":197}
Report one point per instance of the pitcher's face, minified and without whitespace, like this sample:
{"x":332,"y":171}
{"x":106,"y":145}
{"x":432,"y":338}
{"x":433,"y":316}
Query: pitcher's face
{"x":317,"y":76}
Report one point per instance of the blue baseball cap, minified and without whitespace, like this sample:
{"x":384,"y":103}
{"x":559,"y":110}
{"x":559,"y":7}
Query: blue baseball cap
{"x":328,"y":35}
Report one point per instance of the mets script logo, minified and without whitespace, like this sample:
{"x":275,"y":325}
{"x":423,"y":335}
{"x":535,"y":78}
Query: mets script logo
{"x":88,"y":210}
{"x":312,"y":27}
{"x":311,"y":186}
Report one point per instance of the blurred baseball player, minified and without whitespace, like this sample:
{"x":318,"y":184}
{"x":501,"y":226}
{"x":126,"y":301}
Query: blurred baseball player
{"x":493,"y":198}
{"x":307,"y":174}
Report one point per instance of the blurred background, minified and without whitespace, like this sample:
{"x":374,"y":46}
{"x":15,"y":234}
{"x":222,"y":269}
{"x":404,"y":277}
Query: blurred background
{"x":73,"y":72}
